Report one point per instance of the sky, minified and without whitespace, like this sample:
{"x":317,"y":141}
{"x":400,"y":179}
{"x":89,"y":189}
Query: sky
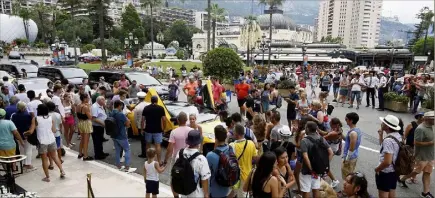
{"x":406,"y":10}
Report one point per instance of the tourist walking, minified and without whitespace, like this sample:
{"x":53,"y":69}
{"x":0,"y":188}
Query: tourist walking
{"x":177,"y":139}
{"x":151,"y":171}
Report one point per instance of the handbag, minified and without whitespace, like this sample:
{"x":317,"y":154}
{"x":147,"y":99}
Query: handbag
{"x":33,"y":138}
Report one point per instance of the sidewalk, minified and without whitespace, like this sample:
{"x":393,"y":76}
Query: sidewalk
{"x":107,"y":181}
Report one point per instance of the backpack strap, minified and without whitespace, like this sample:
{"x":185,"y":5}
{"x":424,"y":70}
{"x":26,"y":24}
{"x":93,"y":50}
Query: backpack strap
{"x":414,"y":124}
{"x":180,"y":154}
{"x":217,"y":151}
{"x":193,"y":156}
{"x":243,"y":152}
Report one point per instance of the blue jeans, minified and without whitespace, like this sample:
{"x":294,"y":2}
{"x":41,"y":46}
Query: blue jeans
{"x":417,"y":100}
{"x":357,"y":95}
{"x":157,"y":138}
{"x":121,"y":145}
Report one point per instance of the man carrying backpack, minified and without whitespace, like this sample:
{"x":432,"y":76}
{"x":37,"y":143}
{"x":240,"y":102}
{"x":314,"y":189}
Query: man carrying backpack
{"x":245,"y":152}
{"x":248,"y":134}
{"x":217,"y":160}
{"x":424,"y":153}
{"x":386,"y":176}
{"x":190,"y":174}
{"x":316,"y":155}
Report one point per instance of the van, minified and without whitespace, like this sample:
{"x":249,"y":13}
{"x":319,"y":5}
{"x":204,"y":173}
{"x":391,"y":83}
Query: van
{"x":74,"y":75}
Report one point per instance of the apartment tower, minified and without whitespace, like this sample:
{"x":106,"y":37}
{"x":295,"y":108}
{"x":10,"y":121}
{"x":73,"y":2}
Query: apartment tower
{"x":357,"y":22}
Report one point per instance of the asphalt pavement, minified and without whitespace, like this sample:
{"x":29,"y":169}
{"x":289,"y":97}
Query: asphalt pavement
{"x":369,"y":123}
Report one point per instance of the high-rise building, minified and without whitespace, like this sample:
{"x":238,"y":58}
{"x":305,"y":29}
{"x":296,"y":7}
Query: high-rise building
{"x":356,"y":22}
{"x":6,"y":6}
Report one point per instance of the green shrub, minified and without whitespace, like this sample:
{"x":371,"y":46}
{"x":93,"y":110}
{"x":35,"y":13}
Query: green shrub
{"x":429,"y":103}
{"x":286,"y":84}
{"x":393,"y":96}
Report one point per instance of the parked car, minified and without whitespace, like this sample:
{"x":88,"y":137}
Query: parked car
{"x":14,"y":55}
{"x":4,"y":73}
{"x":141,"y":78}
{"x":73,"y":74}
{"x":1,"y":52}
{"x":39,"y":85}
{"x":16,"y":69}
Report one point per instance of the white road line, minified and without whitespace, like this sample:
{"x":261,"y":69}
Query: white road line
{"x":367,"y":148}
{"x":165,"y":189}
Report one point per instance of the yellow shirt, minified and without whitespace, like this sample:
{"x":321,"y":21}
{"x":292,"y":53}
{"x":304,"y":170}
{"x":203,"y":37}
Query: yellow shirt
{"x":245,"y":162}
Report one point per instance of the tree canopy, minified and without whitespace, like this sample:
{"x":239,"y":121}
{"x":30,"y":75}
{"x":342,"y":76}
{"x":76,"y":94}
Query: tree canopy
{"x":181,"y":32}
{"x":418,"y":47}
{"x":223,"y":63}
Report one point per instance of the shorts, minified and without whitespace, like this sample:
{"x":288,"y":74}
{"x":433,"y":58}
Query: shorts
{"x":44,"y":148}
{"x":152,"y":187}
{"x":241,"y":102}
{"x":347,"y":167}
{"x":85,"y":126}
{"x":69,"y":120}
{"x":308,"y":183}
{"x":386,"y":181}
{"x":58,"y":142}
{"x":357,"y":95}
{"x":291,"y":115}
{"x":324,"y":88}
{"x":7,"y":153}
{"x":335,"y":89}
{"x":265,"y":106}
{"x":157,"y":138}
{"x":343,"y":92}
{"x":424,"y":166}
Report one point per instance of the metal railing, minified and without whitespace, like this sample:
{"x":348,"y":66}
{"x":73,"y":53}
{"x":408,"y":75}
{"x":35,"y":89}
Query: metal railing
{"x":90,"y":191}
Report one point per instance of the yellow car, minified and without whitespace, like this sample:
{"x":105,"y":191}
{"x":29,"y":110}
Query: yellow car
{"x":207,"y":121}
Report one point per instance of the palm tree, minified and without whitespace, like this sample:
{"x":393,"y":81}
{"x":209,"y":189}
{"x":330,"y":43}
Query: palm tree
{"x":250,"y":33}
{"x":273,"y":4}
{"x":427,"y":24}
{"x":208,"y":23}
{"x":41,"y":11}
{"x":101,"y":6}
{"x":152,"y":4}
{"x":217,"y":15}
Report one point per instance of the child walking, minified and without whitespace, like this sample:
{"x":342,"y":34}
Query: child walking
{"x":151,"y":171}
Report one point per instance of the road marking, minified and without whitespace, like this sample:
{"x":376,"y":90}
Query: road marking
{"x":165,"y":189}
{"x":367,"y":148}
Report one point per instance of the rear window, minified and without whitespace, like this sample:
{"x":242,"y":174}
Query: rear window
{"x":109,"y":77}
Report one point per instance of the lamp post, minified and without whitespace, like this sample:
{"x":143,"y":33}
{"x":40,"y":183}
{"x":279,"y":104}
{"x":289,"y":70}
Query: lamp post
{"x":188,"y":48}
{"x":78,"y":41}
{"x":305,"y":63}
{"x":427,"y":61}
{"x":130,"y":42}
{"x":262,"y":43}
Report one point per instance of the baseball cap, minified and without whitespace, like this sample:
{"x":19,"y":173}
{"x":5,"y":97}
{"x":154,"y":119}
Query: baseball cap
{"x":193,"y":138}
{"x":21,"y":87}
{"x":2,"y":113}
{"x":419,"y":115}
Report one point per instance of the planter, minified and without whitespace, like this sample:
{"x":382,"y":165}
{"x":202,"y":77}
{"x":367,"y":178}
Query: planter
{"x":284,"y":92}
{"x":396,"y":106}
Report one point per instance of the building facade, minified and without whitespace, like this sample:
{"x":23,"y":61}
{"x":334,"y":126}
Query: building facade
{"x":356,"y":22}
{"x":5,"y":6}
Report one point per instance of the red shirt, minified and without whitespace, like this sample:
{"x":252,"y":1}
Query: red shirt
{"x":242,"y":90}
{"x":217,"y":90}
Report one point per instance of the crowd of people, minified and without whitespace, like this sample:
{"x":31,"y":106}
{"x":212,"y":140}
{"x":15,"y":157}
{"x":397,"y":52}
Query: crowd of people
{"x":254,"y":154}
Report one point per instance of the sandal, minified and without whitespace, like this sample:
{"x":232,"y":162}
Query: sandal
{"x":80,"y":156}
{"x":50,"y":167}
{"x":88,"y":158}
{"x":46,"y":179}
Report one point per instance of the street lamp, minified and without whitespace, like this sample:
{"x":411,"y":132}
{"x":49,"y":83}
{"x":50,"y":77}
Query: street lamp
{"x":130,"y":42}
{"x":78,"y":41}
{"x":262,"y":43}
{"x":304,"y":50}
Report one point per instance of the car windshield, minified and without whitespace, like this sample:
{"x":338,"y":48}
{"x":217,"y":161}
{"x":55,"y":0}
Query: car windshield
{"x":143,"y":78}
{"x":73,"y":73}
{"x":14,"y":53}
{"x":34,"y":84}
{"x":28,"y":67}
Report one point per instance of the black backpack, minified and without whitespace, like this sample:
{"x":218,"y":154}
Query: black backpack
{"x":111,"y":126}
{"x":319,"y":156}
{"x":182,"y":175}
{"x":228,"y":171}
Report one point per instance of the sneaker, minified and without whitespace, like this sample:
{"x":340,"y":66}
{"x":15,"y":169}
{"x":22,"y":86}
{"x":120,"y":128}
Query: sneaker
{"x":130,"y":170}
{"x":351,"y":106}
{"x":426,"y":195}
{"x":334,"y":183}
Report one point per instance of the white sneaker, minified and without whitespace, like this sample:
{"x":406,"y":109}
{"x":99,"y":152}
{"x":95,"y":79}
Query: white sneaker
{"x":130,"y":170}
{"x":334,"y":183}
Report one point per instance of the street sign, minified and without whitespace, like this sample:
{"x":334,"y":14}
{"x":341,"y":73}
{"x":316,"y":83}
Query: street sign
{"x":397,"y":67}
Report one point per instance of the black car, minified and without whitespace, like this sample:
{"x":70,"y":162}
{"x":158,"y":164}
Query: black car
{"x":14,"y":55}
{"x":143,"y":78}
{"x":73,"y":74}
{"x":16,"y":69}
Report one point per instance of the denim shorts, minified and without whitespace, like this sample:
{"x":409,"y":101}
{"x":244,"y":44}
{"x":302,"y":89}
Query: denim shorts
{"x":356,"y":94}
{"x":58,"y":142}
{"x":335,"y":89}
{"x":157,"y":138}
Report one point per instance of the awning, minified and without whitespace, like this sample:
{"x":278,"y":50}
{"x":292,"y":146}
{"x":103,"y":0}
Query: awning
{"x":340,"y":60}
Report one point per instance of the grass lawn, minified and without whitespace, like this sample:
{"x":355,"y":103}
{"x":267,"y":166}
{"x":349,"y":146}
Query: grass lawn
{"x":90,"y":67}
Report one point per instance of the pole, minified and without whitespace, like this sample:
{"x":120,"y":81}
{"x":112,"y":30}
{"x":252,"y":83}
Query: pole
{"x":208,"y":24}
{"x":270,"y":34}
{"x":152,"y":33}
{"x":88,"y":178}
{"x":262,"y":60}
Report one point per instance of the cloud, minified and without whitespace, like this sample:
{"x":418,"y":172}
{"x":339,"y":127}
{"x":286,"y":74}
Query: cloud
{"x":406,"y":10}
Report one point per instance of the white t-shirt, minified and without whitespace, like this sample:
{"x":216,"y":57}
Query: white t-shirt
{"x":356,"y":87}
{"x":57,"y":121}
{"x":56,"y":100}
{"x":11,"y":87}
{"x":45,"y":135}
{"x":22,"y":97}
{"x":32,"y":106}
{"x":200,"y":168}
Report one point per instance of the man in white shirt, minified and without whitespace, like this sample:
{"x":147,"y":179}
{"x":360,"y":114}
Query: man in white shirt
{"x":371,"y":83}
{"x":98,"y":117}
{"x":10,"y":86}
{"x":22,"y":96}
{"x":57,"y":91}
{"x":381,"y":89}
{"x":138,"y":110}
{"x":33,"y":104}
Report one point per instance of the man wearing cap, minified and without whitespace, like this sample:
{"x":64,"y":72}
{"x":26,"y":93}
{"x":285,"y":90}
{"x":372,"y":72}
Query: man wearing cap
{"x":381,"y":89}
{"x":199,"y":164}
{"x":242,"y":91}
{"x":138,"y":110}
{"x":153,"y":123}
{"x":190,"y":90}
{"x":22,"y":95}
{"x":386,"y":178}
{"x":7,"y":133}
{"x":424,"y":153}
